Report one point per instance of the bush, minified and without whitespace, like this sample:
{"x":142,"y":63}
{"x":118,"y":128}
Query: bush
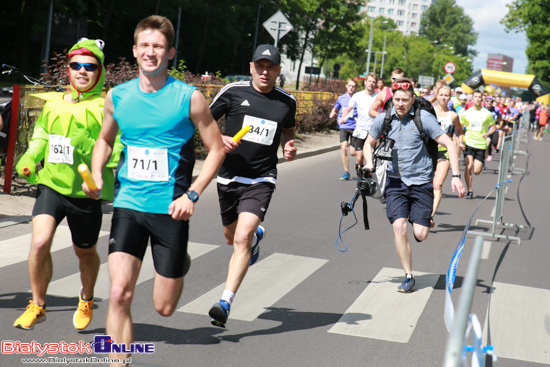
{"x":332,"y":86}
{"x":316,"y":118}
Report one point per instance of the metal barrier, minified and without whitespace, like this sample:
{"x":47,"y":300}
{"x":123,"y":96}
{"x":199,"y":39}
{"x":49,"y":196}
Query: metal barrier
{"x":464,"y":321}
{"x":507,"y":145}
{"x":517,"y":133}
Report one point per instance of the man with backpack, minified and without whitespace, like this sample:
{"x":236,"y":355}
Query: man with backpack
{"x":407,"y":132}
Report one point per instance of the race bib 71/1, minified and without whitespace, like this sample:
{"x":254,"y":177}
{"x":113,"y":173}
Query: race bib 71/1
{"x":147,"y":164}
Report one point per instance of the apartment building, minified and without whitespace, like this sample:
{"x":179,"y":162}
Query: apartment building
{"x":406,"y":13}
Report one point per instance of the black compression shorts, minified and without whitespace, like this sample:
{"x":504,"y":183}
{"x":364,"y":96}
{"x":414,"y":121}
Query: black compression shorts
{"x":83,"y":214}
{"x":347,"y":135}
{"x":131,"y":231}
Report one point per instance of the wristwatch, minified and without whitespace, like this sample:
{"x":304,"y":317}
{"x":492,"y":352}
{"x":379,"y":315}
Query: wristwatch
{"x":193,"y":195}
{"x":457,"y":176}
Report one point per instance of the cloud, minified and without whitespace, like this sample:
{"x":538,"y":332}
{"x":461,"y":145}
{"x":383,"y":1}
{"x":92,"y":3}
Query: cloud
{"x":492,"y":38}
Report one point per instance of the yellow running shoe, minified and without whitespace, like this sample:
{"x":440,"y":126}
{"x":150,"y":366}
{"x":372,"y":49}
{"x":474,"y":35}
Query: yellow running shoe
{"x":83,"y":315}
{"x":34,"y":314}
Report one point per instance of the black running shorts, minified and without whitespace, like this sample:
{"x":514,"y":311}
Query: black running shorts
{"x":237,"y":197}
{"x":131,"y":231}
{"x":83,"y":214}
{"x":478,"y":154}
{"x":347,"y":135}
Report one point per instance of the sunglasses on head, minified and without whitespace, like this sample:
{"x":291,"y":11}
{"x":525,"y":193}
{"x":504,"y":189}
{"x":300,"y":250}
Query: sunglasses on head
{"x":401,"y":85}
{"x":88,"y":66}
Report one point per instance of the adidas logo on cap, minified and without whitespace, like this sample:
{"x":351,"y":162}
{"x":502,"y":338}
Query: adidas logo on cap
{"x":267,"y":52}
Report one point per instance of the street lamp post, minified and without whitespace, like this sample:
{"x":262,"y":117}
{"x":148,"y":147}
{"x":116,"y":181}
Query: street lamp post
{"x":383,"y":54}
{"x":384,"y":51}
{"x":375,"y":58}
{"x":370,"y":47}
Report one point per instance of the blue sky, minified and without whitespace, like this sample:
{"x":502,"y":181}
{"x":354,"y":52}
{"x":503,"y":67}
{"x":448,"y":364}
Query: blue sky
{"x":491,"y":35}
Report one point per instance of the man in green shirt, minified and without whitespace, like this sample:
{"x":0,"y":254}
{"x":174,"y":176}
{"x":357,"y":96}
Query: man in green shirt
{"x":479,"y":124}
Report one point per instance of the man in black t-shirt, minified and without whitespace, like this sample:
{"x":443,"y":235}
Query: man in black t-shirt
{"x":247,"y":178}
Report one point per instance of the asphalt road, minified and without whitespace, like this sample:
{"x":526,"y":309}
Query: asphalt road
{"x":307,"y":304}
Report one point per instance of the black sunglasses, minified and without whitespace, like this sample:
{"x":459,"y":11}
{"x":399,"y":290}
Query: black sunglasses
{"x":88,"y":66}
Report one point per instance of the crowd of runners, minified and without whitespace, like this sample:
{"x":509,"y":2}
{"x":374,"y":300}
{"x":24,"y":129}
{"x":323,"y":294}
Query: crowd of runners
{"x":476,"y":124}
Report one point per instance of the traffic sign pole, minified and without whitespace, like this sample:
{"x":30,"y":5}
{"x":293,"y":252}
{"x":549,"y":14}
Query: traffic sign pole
{"x":278,"y":26}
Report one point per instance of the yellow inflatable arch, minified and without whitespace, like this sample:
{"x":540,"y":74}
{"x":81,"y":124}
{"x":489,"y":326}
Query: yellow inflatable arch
{"x":506,"y":79}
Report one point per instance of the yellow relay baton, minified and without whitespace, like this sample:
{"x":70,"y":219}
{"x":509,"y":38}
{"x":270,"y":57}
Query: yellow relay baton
{"x":241,"y":133}
{"x":87,"y":176}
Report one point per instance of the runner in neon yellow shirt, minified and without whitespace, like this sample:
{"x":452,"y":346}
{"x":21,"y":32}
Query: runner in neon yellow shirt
{"x":64,"y":137}
{"x":479,"y":124}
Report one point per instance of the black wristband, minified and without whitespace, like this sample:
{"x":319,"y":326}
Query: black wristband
{"x":457,"y":176}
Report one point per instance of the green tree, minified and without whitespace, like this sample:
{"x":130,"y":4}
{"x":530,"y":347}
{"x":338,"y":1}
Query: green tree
{"x":446,"y":23}
{"x":531,"y":16}
{"x":419,"y":56}
{"x":354,"y":59}
{"x":334,"y":34}
{"x":319,"y":25}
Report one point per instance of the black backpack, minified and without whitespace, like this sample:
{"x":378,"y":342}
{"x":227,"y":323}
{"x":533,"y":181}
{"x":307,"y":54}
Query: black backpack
{"x":419,"y":104}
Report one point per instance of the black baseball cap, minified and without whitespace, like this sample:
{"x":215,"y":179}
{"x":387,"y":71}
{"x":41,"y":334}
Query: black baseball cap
{"x":268,"y":52}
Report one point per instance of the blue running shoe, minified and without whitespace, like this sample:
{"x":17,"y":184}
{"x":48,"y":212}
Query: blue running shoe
{"x":345,"y":177}
{"x":219,"y":313}
{"x":260,"y":234}
{"x":407,"y":286}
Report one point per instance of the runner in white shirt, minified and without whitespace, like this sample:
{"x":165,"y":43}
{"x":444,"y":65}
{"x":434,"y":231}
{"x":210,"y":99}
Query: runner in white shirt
{"x":362,"y":101}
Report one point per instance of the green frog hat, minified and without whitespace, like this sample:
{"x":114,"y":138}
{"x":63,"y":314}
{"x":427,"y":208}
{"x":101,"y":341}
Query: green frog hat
{"x":89,"y":48}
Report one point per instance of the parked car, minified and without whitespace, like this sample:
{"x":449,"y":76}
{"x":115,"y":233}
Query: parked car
{"x":238,"y":78}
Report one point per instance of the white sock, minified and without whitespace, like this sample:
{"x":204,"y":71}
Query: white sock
{"x":254,"y":240}
{"x":228,"y":296}
{"x":408,"y":275}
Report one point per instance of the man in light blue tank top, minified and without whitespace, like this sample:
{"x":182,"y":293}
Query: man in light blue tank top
{"x":154,"y":196}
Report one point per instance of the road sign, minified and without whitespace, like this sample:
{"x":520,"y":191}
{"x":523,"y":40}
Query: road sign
{"x":278,"y":26}
{"x":450,"y":67}
{"x":448,"y":78}
{"x":425,"y":80}
{"x":313,"y":70}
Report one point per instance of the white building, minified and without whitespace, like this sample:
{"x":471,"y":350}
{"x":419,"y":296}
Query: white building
{"x":406,"y":13}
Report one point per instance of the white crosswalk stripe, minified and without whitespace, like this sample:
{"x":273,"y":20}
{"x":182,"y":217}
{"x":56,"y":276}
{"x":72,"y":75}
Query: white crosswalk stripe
{"x":265,"y":283}
{"x":519,"y":323}
{"x":70,"y":285}
{"x":377,"y":312}
{"x":16,"y":249}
